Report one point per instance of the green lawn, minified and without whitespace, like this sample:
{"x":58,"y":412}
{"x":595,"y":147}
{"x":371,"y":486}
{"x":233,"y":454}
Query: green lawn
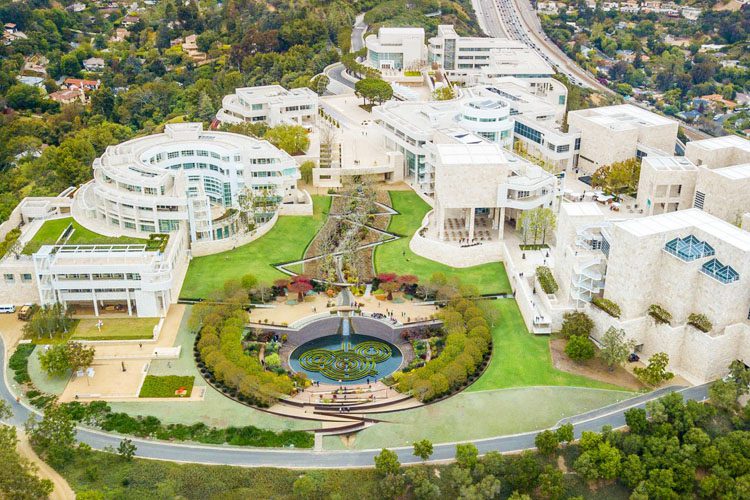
{"x":115,"y":329}
{"x":52,"y":229}
{"x":522,"y":359}
{"x":166,"y":386}
{"x":285,"y":242}
{"x":397,"y":258}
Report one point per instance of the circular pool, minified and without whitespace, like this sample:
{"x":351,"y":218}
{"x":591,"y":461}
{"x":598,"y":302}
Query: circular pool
{"x":346,"y":359}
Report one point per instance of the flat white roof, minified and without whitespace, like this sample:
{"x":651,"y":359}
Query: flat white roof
{"x":736,"y":172}
{"x":676,"y":163}
{"x":687,"y":219}
{"x":470,"y":154}
{"x":623,"y":116}
{"x":582,"y":209}
{"x":727,"y":141}
{"x":401,"y":31}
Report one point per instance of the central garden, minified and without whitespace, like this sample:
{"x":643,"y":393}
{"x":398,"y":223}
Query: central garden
{"x":346,"y":359}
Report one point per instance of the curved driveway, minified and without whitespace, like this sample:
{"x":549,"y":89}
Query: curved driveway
{"x":256,"y":457}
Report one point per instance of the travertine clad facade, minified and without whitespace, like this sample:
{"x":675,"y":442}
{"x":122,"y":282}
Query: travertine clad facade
{"x":156,"y":183}
{"x":688,"y":262}
{"x":615,"y":133}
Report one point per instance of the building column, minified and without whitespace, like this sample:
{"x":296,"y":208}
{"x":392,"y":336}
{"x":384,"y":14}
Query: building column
{"x":471,"y":224}
{"x":96,"y":306}
{"x":501,"y":223}
{"x":127,"y":298}
{"x":439,"y":220}
{"x":495,"y":218}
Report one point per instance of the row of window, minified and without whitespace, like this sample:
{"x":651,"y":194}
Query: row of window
{"x":99,"y":276}
{"x":11,"y":278}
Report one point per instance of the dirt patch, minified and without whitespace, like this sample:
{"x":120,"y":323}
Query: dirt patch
{"x":594,"y":368}
{"x":561,"y":464}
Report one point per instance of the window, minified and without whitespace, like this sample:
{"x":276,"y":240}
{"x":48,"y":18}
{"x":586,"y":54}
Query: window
{"x":25,"y":277}
{"x":528,"y":132}
{"x":718,"y":271}
{"x":577,"y":145}
{"x":605,"y":246}
{"x":561,"y":100}
{"x":173,"y":154}
{"x":9,"y":278}
{"x":257,"y":107}
{"x":564,"y":148}
{"x":689,"y":248}
{"x":700,"y":199}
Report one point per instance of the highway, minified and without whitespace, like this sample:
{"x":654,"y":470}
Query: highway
{"x":288,"y":458}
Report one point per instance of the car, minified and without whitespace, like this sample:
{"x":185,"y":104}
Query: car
{"x":24,"y":314}
{"x":7,"y":309}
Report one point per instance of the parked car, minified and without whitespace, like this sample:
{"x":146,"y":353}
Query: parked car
{"x":25,"y":312}
{"x":7,"y":309}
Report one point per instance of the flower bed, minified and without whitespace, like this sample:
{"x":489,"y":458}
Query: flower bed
{"x":607,"y":306}
{"x":546,"y":279}
{"x":169,"y":386}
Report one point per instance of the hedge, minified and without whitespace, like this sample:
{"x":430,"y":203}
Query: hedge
{"x":544,"y":275}
{"x":607,"y":306}
{"x":166,"y":386}
{"x":19,"y":363}
{"x":701,"y":322}
{"x":659,"y":314}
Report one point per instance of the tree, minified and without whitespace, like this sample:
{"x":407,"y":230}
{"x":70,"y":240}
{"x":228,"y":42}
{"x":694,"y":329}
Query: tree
{"x":723,"y":394}
{"x":103,"y":102}
{"x":565,"y":433}
{"x":69,"y":65}
{"x":536,"y":223}
{"x":576,"y":323}
{"x":80,"y":356}
{"x":54,"y":361}
{"x":249,"y":281}
{"x":205,"y":110}
{"x":546,"y":442}
{"x":126,"y":449}
{"x":486,"y":489}
{"x":656,"y":371}
{"x":319,"y":84}
{"x":18,"y":479}
{"x":22,"y":96}
{"x":579,"y":348}
{"x":551,"y":483}
{"x":389,"y":287}
{"x":637,"y":420}
{"x":615,"y":348}
{"x":373,"y":90}
{"x":309,"y":486}
{"x":54,"y":435}
{"x":300,"y":285}
{"x":306,"y":171}
{"x":619,"y":177}
{"x":423,"y":449}
{"x":445,"y":93}
{"x":386,"y":463}
{"x":291,"y":138}
{"x":466,"y":455}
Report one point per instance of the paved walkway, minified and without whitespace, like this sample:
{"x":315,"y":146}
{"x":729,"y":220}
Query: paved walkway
{"x":258,"y":457}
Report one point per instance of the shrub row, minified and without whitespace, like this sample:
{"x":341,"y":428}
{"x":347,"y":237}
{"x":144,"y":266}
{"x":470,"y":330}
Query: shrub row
{"x":544,"y":275}
{"x":99,"y":414}
{"x":607,"y":306}
{"x":659,"y":314}
{"x":220,"y":348}
{"x":19,"y":362}
{"x":467,"y":346}
{"x":700,"y":321}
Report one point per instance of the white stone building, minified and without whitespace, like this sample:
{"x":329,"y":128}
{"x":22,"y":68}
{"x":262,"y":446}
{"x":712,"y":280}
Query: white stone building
{"x":687,"y":262}
{"x":616,"y":133}
{"x":272,"y":104}
{"x":396,"y":48}
{"x":714,"y":175}
{"x":471,"y":60}
{"x":154,"y":184}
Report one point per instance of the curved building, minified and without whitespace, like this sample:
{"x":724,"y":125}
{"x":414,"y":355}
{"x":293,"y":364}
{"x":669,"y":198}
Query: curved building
{"x":186,"y":175}
{"x":487,"y":117}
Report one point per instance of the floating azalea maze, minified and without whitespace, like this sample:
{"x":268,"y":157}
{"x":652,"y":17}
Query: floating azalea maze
{"x":347,"y":358}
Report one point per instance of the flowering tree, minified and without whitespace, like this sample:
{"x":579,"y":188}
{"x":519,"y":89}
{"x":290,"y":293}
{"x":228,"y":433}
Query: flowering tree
{"x":300,"y":285}
{"x":390,"y":287}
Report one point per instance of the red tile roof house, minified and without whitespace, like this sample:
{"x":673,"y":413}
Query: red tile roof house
{"x":76,"y":83}
{"x":68,"y":96}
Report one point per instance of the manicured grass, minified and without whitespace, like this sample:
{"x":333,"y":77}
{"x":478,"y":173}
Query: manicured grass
{"x":52,"y":229}
{"x":166,"y":386}
{"x":396,"y":257}
{"x":522,"y":359}
{"x":116,"y":329}
{"x":285,"y":242}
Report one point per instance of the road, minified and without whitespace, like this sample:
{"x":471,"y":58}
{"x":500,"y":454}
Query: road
{"x":261,"y":457}
{"x":517,"y":19}
{"x":358,"y":33}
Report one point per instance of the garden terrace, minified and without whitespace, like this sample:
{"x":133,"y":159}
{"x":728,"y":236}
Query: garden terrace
{"x":395,"y":256}
{"x":51,"y":231}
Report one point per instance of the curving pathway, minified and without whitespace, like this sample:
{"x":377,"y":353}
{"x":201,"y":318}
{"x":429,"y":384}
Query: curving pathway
{"x":287,"y":458}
